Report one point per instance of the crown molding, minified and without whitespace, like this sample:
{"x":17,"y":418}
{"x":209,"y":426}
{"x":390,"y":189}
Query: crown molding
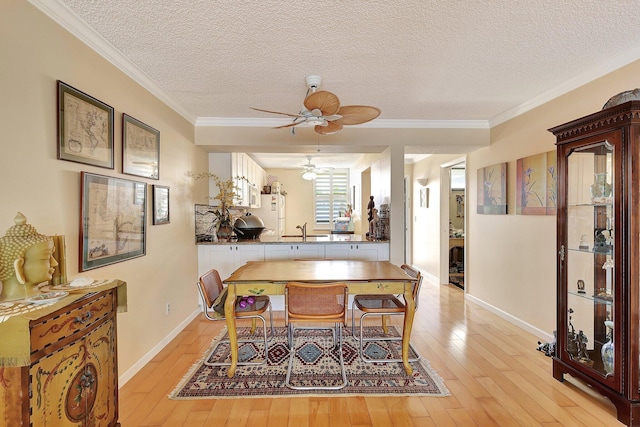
{"x":581,"y":79}
{"x":378,"y":123}
{"x":76,"y":26}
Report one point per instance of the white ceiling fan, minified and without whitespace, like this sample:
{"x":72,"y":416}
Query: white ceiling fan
{"x":310,"y":171}
{"x":323,"y":111}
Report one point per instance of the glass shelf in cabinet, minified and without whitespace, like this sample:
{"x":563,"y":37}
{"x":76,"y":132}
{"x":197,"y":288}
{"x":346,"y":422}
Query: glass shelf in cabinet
{"x":607,"y":203}
{"x":608,"y":300}
{"x":599,"y":251}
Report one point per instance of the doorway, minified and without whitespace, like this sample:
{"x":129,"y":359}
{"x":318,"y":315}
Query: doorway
{"x":453,"y":224}
{"x":456,"y":225}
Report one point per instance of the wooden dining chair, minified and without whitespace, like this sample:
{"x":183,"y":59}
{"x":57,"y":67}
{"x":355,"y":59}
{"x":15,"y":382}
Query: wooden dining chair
{"x":383,"y":305}
{"x":311,"y":304}
{"x":213,"y":295}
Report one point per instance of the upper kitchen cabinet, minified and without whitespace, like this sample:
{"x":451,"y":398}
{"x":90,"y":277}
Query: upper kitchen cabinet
{"x":236,"y":165}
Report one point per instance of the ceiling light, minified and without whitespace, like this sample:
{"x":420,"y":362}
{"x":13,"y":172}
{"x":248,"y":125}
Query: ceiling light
{"x":309,"y":175}
{"x":423,"y":181}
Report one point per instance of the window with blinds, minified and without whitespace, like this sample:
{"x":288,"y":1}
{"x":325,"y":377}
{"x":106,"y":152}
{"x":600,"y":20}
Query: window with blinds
{"x":331,"y":196}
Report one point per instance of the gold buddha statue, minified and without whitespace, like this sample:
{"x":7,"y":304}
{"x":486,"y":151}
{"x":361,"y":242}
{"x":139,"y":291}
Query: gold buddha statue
{"x":26,"y":260}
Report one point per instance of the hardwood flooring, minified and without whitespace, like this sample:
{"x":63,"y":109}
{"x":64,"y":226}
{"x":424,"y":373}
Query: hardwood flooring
{"x":492,"y":369}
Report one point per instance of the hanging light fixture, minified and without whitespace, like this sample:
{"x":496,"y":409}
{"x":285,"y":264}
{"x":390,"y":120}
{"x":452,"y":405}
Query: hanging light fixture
{"x":309,"y":175}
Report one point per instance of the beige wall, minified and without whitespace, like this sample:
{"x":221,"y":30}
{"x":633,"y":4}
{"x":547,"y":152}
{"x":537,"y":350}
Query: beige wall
{"x":524,"y":283}
{"x":35,"y":53}
{"x":511,"y":259}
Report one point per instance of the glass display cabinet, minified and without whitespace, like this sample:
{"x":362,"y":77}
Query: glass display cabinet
{"x":598,"y":255}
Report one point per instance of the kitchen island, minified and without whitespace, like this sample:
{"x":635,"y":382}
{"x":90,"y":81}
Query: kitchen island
{"x":226,"y":257}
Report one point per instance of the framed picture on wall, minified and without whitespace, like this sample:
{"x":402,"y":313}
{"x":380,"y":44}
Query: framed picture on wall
{"x":536,"y":184}
{"x":160,"y":205}
{"x":85,"y":128}
{"x":424,"y":197}
{"x":113,"y":220}
{"x":492,"y":189}
{"x":140,"y":149}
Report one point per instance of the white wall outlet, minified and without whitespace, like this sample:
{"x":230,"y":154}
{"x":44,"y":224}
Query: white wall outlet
{"x":167,"y":308}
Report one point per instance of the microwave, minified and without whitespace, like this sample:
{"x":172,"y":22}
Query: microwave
{"x":254,"y":196}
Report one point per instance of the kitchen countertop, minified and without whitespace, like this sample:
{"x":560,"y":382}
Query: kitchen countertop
{"x":328,"y":238}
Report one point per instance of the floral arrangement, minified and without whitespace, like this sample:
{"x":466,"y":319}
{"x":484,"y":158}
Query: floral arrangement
{"x":226,"y":197}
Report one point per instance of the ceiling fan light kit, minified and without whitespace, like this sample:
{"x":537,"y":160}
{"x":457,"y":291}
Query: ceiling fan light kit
{"x":310,"y":171}
{"x":322,"y":110}
{"x":309,"y":175}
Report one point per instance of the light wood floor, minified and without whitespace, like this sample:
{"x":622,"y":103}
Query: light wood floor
{"x":492,"y":369}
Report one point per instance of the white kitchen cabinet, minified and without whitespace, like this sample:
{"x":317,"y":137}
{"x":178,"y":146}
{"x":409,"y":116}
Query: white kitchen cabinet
{"x":294,"y":251}
{"x":227,"y":258}
{"x":232,"y":166}
{"x":358,"y":251}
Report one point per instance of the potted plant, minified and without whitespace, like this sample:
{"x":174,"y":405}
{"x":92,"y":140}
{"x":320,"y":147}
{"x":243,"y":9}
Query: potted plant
{"x":226,"y":198}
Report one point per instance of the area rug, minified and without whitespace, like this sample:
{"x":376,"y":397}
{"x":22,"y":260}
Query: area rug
{"x":316,"y":361}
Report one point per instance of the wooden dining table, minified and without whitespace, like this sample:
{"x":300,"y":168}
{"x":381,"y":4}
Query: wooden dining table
{"x":362,"y":277}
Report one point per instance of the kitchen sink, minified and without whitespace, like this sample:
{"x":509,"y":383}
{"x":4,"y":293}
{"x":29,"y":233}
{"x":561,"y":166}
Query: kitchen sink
{"x":308,"y":235}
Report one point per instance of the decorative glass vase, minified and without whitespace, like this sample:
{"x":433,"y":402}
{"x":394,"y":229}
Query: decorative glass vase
{"x":224,"y":231}
{"x":607,"y":350}
{"x":600,"y":188}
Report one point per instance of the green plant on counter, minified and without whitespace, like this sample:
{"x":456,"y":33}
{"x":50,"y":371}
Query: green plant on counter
{"x":226,"y":198}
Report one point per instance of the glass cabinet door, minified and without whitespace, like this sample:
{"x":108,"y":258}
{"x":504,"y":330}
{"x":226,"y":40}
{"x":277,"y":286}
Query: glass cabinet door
{"x":589,"y":251}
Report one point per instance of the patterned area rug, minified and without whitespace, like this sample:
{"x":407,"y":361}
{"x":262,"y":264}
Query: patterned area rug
{"x":316,"y":360}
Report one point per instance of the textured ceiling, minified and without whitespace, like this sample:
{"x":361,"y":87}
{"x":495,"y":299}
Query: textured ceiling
{"x":421,"y":62}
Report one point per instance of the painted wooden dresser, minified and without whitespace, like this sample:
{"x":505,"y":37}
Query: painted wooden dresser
{"x":69,"y":377}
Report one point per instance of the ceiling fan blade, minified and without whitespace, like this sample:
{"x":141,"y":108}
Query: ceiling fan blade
{"x":287,"y":126}
{"x":356,"y":114}
{"x":324,"y":101}
{"x":276,"y":112}
{"x":331,"y":127}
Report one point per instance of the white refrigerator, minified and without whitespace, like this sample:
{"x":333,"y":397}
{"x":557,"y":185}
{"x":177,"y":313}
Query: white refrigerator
{"x":271,"y":212}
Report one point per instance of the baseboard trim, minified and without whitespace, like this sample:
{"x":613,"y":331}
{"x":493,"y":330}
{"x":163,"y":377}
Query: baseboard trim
{"x":126,"y":376}
{"x":544,"y":336}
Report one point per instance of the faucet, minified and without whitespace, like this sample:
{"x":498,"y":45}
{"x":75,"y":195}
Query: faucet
{"x":303,"y":228}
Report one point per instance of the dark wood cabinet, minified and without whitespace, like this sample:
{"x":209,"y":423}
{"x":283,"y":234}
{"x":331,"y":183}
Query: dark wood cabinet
{"x":598,"y":242}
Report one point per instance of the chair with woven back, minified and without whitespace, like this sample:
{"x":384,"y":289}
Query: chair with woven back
{"x":383,"y":305}
{"x":311,"y":304}
{"x":213,"y":295}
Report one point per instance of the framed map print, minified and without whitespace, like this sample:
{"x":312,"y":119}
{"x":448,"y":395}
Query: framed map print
{"x":85,"y":128}
{"x":160,"y":205}
{"x":140,"y":148}
{"x":113,"y":220}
